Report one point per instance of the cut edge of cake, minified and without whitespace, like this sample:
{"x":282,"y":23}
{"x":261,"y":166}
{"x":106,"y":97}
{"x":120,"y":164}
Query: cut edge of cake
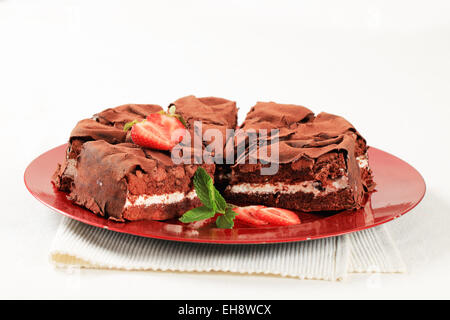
{"x":323,"y":164}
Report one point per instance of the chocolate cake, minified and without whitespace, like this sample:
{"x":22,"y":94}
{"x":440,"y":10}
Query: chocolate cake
{"x":214,"y":114}
{"x":108,"y":174}
{"x":322,"y":162}
{"x":106,"y":125}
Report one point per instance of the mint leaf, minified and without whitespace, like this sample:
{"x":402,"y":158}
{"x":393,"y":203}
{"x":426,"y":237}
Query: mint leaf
{"x":205,"y":189}
{"x":226,"y":221}
{"x":230,"y":212}
{"x":221,"y":204}
{"x":213,"y":202}
{"x":199,"y":213}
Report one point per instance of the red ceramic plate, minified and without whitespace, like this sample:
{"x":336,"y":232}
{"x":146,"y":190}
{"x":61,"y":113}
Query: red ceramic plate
{"x":399,"y":189}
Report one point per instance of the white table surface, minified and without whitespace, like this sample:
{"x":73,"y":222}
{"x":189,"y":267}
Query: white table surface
{"x":384,"y":65}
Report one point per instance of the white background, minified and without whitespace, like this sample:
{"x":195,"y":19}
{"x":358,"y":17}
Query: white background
{"x":384,"y":65}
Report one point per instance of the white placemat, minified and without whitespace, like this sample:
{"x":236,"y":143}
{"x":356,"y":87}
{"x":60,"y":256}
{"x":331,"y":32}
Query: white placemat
{"x":80,"y":245}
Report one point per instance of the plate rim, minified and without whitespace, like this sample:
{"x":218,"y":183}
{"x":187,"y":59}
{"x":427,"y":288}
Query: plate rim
{"x":213,"y":241}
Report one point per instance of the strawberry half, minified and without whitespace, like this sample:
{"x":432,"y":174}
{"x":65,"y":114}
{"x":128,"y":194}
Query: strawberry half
{"x":201,"y":223}
{"x":159,"y":131}
{"x":277,"y":216}
{"x":246,"y":216}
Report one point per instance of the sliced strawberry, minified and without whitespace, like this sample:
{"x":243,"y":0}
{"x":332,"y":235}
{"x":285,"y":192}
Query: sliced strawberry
{"x":277,"y":216}
{"x":159,"y":131}
{"x":246,"y":215}
{"x":171,"y":123}
{"x":239,"y":224}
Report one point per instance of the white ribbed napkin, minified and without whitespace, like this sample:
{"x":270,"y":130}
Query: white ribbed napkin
{"x":80,"y":245}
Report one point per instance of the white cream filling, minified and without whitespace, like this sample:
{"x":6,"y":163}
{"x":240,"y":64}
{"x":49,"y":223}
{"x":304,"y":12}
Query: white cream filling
{"x":279,"y":187}
{"x":148,"y":200}
{"x":363,"y":161}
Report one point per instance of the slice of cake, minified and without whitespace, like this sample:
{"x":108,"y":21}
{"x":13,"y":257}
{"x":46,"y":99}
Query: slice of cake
{"x":108,"y":174}
{"x":127,"y":182}
{"x":214,"y":114}
{"x":322,"y":161}
{"x":106,"y":125}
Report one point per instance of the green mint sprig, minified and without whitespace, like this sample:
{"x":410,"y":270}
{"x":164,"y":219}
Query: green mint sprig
{"x":213,"y":203}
